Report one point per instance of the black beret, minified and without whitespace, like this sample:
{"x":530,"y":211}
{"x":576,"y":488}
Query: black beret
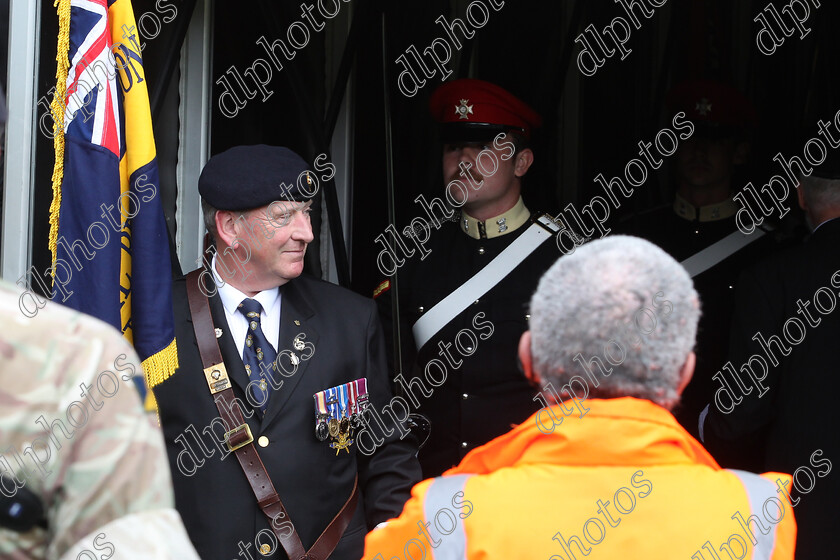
{"x":247,"y":177}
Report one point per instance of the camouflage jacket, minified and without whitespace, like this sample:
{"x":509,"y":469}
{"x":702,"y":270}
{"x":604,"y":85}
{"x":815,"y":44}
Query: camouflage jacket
{"x":73,"y":432}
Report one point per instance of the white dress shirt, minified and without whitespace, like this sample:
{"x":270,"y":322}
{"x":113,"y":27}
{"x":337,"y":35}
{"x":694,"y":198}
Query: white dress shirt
{"x":238,"y":323}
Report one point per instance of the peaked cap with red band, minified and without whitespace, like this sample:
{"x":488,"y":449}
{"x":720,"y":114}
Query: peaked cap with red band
{"x":474,"y":110}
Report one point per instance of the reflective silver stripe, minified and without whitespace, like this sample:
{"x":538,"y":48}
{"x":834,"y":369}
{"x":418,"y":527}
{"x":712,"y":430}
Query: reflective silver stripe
{"x":759,"y":490}
{"x":439,"y":496}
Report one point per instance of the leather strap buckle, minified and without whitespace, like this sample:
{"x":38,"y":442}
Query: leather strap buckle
{"x":239,"y":437}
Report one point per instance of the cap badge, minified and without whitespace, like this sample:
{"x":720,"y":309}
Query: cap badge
{"x":464,"y":109}
{"x":703,"y":107}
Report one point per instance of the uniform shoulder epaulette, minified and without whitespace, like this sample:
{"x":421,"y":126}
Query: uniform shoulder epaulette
{"x":383,"y":287}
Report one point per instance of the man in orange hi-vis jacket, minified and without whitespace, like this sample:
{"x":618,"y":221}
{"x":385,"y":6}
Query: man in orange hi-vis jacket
{"x":604,"y":467}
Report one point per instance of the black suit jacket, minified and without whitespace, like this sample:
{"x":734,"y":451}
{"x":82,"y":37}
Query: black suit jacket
{"x":212,"y":495}
{"x":798,"y":414}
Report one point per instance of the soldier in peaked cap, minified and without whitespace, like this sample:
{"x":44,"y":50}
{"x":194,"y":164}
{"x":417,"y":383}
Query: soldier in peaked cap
{"x":701,"y":222}
{"x":276,"y":368}
{"x":459,"y":357}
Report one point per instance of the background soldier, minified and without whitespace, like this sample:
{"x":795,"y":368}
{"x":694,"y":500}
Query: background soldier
{"x":82,"y":467}
{"x":464,"y":377}
{"x":706,"y":177}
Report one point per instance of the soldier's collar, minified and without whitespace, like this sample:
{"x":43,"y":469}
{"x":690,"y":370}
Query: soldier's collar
{"x":497,"y":225}
{"x":711,"y":213}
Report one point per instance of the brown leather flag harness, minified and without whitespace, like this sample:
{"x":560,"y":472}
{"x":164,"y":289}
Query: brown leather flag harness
{"x":241,"y":442}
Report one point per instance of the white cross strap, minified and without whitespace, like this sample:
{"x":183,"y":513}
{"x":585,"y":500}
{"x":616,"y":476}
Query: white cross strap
{"x":483,"y":281}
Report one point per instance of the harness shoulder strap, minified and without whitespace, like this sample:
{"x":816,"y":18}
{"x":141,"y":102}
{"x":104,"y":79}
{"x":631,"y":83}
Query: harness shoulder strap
{"x":240,"y":440}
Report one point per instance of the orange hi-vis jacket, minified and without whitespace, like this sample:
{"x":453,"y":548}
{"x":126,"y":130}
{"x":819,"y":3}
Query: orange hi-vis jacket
{"x":623,"y":481}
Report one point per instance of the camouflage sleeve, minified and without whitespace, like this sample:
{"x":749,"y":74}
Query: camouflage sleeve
{"x":75,"y":429}
{"x":119,"y":461}
{"x":157,"y":534}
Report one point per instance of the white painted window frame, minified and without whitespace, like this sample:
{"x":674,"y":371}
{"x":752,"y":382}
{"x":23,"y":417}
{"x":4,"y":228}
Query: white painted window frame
{"x":21,"y":128}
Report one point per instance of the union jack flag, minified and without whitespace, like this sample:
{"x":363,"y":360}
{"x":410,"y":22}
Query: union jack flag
{"x":93,"y":95}
{"x":110,"y":244}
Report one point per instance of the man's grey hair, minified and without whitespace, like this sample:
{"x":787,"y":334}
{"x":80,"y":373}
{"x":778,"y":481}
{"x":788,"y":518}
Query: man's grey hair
{"x":209,"y":213}
{"x":820,"y":194}
{"x":619,"y":313}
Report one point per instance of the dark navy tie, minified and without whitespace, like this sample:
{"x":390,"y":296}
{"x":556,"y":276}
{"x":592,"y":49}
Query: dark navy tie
{"x":257,"y":351}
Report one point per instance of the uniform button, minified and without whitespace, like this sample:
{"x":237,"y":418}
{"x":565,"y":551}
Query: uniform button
{"x":697,"y":231}
{"x":475,"y":302}
{"x":265,"y":549}
{"x":730,"y":287}
{"x":263,"y":441}
{"x":469,"y":348}
{"x":465,"y":396}
{"x":481,"y":250}
{"x":421,"y":309}
{"x":464,"y":444}
{"x":527,"y":317}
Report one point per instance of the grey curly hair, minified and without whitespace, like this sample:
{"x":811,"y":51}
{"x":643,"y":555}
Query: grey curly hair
{"x":620,"y":314}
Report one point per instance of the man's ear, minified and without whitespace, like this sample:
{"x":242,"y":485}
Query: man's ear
{"x":800,"y":195}
{"x":226,"y":227}
{"x":523,"y":161}
{"x":686,"y":372}
{"x":527,"y":361}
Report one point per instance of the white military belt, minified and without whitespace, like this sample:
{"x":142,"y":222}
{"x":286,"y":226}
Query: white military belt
{"x":483,"y":281}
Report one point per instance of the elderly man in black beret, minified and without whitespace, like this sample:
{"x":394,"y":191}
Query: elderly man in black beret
{"x":277,"y":373}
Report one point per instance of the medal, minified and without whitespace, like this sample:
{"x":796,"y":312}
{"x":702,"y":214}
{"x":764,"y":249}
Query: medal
{"x":338,"y":412}
{"x":342,"y":443}
{"x":321,"y":431}
{"x":321,"y":416}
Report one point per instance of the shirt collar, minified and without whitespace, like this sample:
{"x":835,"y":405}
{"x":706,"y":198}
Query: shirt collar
{"x":232,"y":297}
{"x":497,"y":225}
{"x":710,"y":213}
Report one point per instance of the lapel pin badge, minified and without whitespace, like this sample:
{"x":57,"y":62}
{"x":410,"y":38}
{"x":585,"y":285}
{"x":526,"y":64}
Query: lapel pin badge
{"x":218,"y":332}
{"x":298,"y":344}
{"x":297,"y":322}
